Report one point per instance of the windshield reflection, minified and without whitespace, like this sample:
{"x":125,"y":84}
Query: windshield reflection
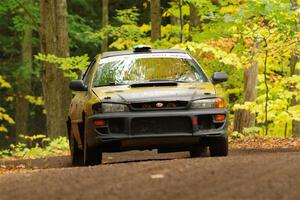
{"x":134,"y":70}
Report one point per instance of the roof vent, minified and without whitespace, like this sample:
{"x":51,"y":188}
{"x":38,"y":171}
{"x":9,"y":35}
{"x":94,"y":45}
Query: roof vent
{"x":142,"y":48}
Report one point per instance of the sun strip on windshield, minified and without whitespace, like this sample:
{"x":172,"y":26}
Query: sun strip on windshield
{"x":151,"y":55}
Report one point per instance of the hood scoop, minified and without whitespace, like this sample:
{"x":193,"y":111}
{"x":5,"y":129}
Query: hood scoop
{"x":154,"y":84}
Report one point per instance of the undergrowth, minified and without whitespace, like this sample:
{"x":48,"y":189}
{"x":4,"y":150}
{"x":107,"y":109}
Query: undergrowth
{"x":36,"y":146}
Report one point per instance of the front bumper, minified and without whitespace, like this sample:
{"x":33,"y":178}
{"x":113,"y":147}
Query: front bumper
{"x":127,"y":138}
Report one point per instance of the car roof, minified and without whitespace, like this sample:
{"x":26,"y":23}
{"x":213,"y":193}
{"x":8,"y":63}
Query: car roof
{"x":131,"y":52}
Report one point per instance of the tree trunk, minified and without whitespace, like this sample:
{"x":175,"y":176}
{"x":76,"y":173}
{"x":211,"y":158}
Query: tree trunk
{"x":244,"y":118}
{"x":54,"y":40}
{"x":194,"y":17}
{"x":24,"y":79}
{"x":155,"y":20}
{"x":181,"y":20}
{"x":105,"y":7}
{"x":294,"y":60}
{"x":296,"y":123}
{"x":174,"y":20}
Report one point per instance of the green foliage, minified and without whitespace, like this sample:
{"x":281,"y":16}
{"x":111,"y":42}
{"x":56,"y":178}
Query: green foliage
{"x":225,"y":40}
{"x":58,"y":146}
{"x":38,"y":101}
{"x":174,"y":10}
{"x":3,"y":83}
{"x":127,"y":16}
{"x":71,"y":66}
{"x":273,"y":26}
{"x":35,"y":140}
{"x":19,"y":11}
{"x":80,"y":33}
{"x":236,"y":135}
{"x":4,"y":117}
{"x":220,"y":55}
{"x":126,"y":33}
{"x":252,"y":131}
{"x":280,"y":111}
{"x":37,"y":146}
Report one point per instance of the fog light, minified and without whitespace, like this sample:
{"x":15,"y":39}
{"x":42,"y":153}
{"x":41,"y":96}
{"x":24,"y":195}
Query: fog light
{"x":99,"y":122}
{"x":219,"y":118}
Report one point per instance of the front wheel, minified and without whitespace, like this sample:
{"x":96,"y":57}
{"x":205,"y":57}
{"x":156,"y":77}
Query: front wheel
{"x":76,"y":153}
{"x":198,"y":151}
{"x":92,"y":155}
{"x":219,"y":147}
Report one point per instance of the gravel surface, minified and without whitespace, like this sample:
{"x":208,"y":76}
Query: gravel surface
{"x":248,"y":174}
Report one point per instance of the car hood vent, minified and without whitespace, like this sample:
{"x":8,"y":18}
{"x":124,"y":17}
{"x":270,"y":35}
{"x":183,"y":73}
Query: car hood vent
{"x":154,"y":84}
{"x":159,"y":105}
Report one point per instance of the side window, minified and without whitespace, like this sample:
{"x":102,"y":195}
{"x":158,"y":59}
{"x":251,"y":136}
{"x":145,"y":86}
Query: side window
{"x":87,"y":75}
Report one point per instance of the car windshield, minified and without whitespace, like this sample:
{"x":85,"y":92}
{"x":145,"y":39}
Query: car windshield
{"x":142,"y":68}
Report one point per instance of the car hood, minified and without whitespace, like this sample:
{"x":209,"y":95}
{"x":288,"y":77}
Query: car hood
{"x":181,"y":92}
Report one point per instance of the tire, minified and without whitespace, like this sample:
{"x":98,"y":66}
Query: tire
{"x":219,"y":147}
{"x":76,"y":153}
{"x":198,"y":151}
{"x":92,"y":156}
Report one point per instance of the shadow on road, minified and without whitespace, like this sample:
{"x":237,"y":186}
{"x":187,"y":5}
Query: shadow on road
{"x":124,"y":157}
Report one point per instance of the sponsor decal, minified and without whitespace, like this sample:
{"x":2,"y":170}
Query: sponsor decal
{"x":159,"y":105}
{"x":146,"y":55}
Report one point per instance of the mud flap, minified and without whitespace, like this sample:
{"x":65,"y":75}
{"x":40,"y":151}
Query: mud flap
{"x":76,"y":133}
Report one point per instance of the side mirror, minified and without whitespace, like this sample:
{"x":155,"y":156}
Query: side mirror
{"x":77,"y":85}
{"x":219,"y":77}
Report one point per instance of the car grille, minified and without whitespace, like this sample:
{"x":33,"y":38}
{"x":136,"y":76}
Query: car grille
{"x":161,"y":125}
{"x":159,"y":105}
{"x":116,"y":126}
{"x":158,"y":125}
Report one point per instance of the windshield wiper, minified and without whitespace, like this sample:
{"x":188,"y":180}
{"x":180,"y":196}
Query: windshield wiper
{"x":110,"y":84}
{"x":178,"y":81}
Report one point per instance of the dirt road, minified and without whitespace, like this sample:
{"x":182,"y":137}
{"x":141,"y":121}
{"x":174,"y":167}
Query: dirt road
{"x":147,"y":175}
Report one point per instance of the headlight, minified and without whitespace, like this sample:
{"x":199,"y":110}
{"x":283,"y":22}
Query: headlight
{"x":109,"y":108}
{"x":208,"y":103}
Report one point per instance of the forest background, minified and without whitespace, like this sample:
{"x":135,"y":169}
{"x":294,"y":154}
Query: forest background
{"x":44,"y":44}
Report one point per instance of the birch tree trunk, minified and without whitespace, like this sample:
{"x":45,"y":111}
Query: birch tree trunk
{"x":155,"y":20}
{"x":54,"y":40}
{"x":244,"y":118}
